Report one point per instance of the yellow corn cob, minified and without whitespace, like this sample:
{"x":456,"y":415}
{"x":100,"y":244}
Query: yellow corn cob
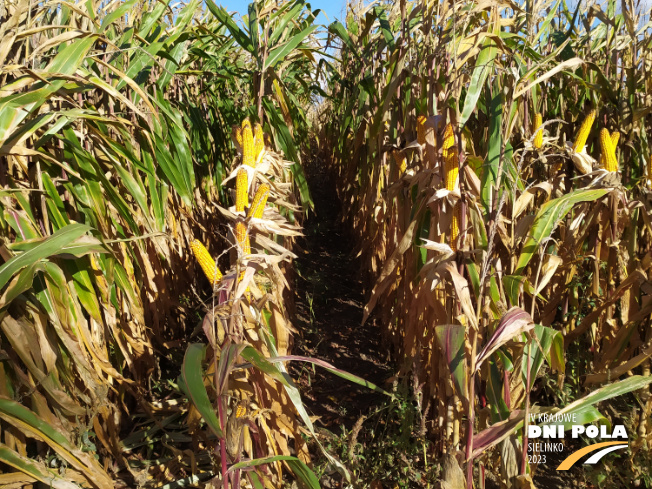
{"x":206,"y":262}
{"x":259,"y":141}
{"x":455,"y":225}
{"x":615,"y":137}
{"x":242,"y":237}
{"x":583,"y":133}
{"x":538,"y":138}
{"x":248,"y":157}
{"x":421,"y":129}
{"x":241,"y":191}
{"x":608,"y":152}
{"x":451,"y":158}
{"x":240,"y":411}
{"x":258,"y":204}
{"x":401,"y":161}
{"x":237,"y":136}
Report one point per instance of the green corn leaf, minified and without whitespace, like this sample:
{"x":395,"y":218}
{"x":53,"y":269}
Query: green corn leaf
{"x":483,"y":66}
{"x":50,"y":246}
{"x":123,"y":9}
{"x":193,"y":384}
{"x":240,"y":37}
{"x":281,"y":52}
{"x":548,"y":218}
{"x":607,"y":392}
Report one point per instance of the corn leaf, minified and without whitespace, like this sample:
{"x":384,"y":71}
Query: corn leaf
{"x":547,"y":219}
{"x":192,"y":382}
{"x":50,"y":246}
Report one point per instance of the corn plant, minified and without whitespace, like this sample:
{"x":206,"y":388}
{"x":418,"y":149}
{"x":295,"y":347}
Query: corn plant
{"x":483,"y":234}
{"x":248,"y":335}
{"x":278,"y":51}
{"x":115,"y":137}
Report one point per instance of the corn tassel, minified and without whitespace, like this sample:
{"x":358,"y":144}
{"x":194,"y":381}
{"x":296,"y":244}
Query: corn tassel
{"x":206,"y":262}
{"x":538,"y":138}
{"x":421,"y":129}
{"x":451,"y":159}
{"x":241,"y":191}
{"x":248,"y":156}
{"x":583,"y":133}
{"x":258,"y":204}
{"x":608,"y":151}
{"x":259,"y":141}
{"x":242,"y":237}
{"x":456,"y":221}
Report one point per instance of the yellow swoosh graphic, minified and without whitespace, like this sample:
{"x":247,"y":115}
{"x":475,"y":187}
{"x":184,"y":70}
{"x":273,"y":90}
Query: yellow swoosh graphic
{"x":575,"y":456}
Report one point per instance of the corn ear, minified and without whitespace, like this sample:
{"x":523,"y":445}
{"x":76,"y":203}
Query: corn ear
{"x":259,"y":140}
{"x":538,"y":138}
{"x":206,"y":262}
{"x":583,"y":133}
{"x":241,"y":191}
{"x":240,"y":411}
{"x":608,"y":151}
{"x":615,"y":137}
{"x":242,"y":237}
{"x":449,"y":137}
{"x":236,"y":133}
{"x":401,"y":161}
{"x":455,"y":225}
{"x":248,"y":156}
{"x":258,"y":204}
{"x":451,"y":159}
{"x":421,"y":129}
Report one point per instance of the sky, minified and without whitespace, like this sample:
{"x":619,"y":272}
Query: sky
{"x":332,"y":8}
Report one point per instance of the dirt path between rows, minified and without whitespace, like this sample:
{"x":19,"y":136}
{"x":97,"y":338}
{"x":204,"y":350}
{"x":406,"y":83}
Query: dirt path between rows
{"x":329,"y":305}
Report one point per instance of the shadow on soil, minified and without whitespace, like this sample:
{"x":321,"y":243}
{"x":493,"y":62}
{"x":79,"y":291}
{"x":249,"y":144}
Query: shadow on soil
{"x":329,"y":306}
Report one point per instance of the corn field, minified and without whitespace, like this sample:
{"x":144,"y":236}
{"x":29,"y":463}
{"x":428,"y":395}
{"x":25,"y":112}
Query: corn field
{"x":493,"y":166}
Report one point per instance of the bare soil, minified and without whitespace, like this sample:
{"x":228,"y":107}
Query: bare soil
{"x":329,"y":306}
